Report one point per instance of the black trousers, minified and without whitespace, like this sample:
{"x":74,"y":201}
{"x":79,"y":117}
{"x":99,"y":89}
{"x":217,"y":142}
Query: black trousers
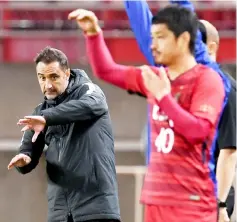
{"x":101,"y":220}
{"x":70,"y":219}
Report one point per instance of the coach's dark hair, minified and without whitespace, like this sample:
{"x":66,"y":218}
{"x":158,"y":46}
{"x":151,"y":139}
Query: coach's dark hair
{"x":49,"y":55}
{"x":178,"y":20}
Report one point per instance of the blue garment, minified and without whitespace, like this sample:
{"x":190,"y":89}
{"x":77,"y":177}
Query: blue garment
{"x":140,"y":18}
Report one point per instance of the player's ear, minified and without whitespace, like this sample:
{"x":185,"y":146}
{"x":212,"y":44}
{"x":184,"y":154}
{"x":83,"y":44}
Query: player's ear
{"x":183,"y":40}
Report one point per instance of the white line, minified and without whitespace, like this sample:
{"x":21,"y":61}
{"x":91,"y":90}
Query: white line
{"x":120,"y":145}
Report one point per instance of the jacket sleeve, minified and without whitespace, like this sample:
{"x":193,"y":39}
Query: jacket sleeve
{"x":140,"y":18}
{"x":33,"y":150}
{"x":91,"y":103}
{"x":184,"y":3}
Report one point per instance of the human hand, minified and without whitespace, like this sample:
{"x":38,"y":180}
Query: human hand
{"x":223,"y":215}
{"x":36,"y":123}
{"x":158,"y":85}
{"x":19,"y":160}
{"x":86,"y":20}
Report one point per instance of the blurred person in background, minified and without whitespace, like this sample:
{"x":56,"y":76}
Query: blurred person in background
{"x":74,"y":122}
{"x":186,"y":100}
{"x":226,"y":141}
{"x":225,"y":155}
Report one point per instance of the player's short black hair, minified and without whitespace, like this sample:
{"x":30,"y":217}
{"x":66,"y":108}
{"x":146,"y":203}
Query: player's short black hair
{"x":49,"y":55}
{"x":178,"y":20}
{"x":203,"y":31}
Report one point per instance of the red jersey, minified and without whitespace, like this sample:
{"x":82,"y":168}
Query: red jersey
{"x":182,"y":122}
{"x":178,"y":171}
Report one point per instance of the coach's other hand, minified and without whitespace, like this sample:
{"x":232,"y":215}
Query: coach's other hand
{"x":35,"y":123}
{"x":19,"y":160}
{"x":86,"y":20}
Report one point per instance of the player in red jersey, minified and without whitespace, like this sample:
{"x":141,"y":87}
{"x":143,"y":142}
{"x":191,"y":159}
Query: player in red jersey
{"x":187,"y":100}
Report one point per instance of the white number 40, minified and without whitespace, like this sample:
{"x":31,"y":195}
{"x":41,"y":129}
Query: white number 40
{"x":165,"y":140}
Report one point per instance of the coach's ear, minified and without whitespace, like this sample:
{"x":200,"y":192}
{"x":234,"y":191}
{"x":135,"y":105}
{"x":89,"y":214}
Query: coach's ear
{"x":68,"y":71}
{"x":212,"y":48}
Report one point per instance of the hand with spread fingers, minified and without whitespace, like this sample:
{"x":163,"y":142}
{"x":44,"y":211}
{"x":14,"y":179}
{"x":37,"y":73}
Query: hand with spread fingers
{"x":157,"y":84}
{"x":86,"y":20}
{"x":35,"y":123}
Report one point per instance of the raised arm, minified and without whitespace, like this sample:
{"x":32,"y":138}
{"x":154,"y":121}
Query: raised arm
{"x":102,"y":63}
{"x":140,"y":18}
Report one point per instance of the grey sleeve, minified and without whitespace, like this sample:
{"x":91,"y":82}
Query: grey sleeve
{"x":33,"y":150}
{"x":90,"y":104}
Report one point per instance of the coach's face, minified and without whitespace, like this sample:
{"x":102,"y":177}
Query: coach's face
{"x":52,"y":78}
{"x":163,"y":45}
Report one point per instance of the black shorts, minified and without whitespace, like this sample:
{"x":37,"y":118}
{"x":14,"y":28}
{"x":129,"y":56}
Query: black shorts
{"x":230,"y":201}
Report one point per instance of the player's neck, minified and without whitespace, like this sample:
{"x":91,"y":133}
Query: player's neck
{"x":181,"y":65}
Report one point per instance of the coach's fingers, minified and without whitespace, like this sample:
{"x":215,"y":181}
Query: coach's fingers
{"x":14,"y":161}
{"x":35,"y":136}
{"x":25,"y":128}
{"x":23,"y":121}
{"x":19,"y":161}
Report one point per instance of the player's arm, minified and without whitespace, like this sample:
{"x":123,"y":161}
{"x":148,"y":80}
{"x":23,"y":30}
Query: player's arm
{"x":91,"y":103}
{"x":104,"y":67}
{"x":32,"y":150}
{"x":194,"y":129}
{"x":208,"y":97}
{"x":206,"y":105}
{"x":140,"y":18}
{"x":227,"y":144}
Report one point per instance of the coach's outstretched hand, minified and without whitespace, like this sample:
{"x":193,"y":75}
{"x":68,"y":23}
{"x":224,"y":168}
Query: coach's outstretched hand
{"x":19,"y":160}
{"x":35,"y":123}
{"x":86,"y":20}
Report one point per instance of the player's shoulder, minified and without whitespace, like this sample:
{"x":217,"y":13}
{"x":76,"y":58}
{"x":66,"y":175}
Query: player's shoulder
{"x":203,"y":69}
{"x":209,"y":75}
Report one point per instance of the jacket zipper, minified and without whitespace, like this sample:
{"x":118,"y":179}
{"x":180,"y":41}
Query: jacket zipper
{"x":69,"y":214}
{"x":59,"y":150}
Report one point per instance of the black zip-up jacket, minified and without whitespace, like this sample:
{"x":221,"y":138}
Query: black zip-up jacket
{"x":80,"y":155}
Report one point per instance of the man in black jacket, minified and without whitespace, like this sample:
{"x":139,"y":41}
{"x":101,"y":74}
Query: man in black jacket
{"x":74,"y":122}
{"x":226,"y":143}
